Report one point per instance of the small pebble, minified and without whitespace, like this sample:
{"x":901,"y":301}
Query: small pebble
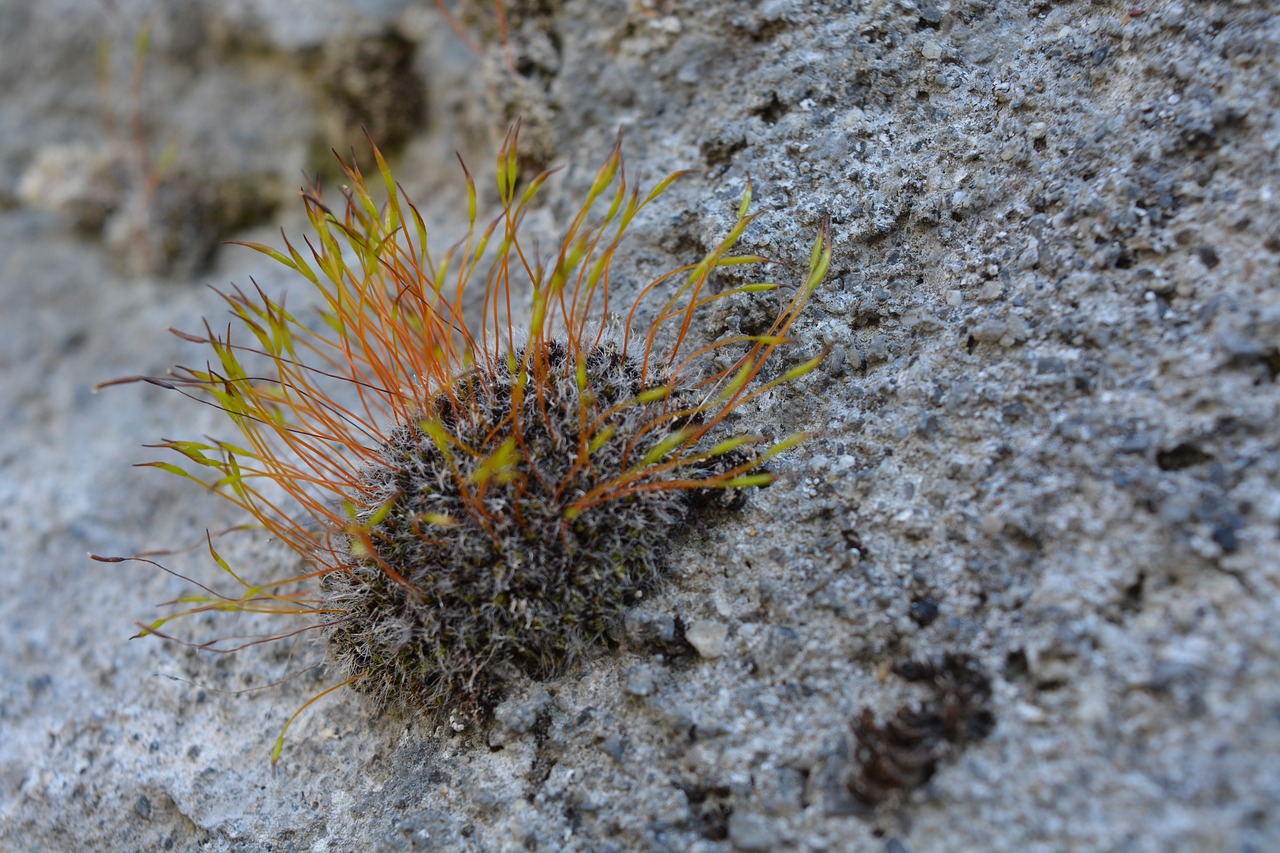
{"x":707,"y":636}
{"x":639,"y":681}
{"x":752,"y":832}
{"x":614,"y":747}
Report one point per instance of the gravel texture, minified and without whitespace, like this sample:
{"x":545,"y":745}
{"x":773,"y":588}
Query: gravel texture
{"x":1046,"y":427}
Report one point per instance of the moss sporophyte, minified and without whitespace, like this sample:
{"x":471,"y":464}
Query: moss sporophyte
{"x":473,"y":503}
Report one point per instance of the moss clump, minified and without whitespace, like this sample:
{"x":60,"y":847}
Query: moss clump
{"x":505,"y":585}
{"x":470,"y":510}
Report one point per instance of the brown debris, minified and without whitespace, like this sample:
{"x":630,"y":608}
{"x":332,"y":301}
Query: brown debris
{"x":905,"y":751}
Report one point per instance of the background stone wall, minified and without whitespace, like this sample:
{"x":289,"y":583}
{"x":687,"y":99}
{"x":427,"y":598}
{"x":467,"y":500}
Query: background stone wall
{"x":1047,"y":426}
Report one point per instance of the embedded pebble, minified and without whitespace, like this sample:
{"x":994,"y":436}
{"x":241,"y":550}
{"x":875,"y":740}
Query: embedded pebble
{"x":752,"y":833}
{"x":640,"y":681}
{"x":707,"y":636}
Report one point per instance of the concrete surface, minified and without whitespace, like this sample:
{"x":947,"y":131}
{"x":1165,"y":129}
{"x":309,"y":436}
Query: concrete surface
{"x":1047,"y":426}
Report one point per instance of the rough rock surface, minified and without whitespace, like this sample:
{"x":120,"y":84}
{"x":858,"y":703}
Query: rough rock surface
{"x":1047,"y":426}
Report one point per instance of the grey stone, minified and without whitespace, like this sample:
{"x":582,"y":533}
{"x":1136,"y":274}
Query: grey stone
{"x":752,"y":833}
{"x":640,"y":681}
{"x":1097,"y":184}
{"x":707,"y":636}
{"x":518,"y":716}
{"x":780,"y":647}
